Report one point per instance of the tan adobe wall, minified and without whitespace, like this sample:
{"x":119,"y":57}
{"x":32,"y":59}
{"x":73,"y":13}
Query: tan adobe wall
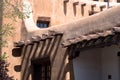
{"x":60,"y":12}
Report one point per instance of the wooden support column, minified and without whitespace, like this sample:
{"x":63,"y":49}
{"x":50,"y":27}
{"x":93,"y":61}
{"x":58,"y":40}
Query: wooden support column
{"x":28,"y":72}
{"x":62,"y":67}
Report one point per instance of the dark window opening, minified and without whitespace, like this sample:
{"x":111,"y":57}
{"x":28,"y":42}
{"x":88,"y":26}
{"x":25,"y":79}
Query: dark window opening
{"x":106,"y":0}
{"x":118,"y":0}
{"x":43,"y":22}
{"x":95,"y":0}
{"x":41,"y":69}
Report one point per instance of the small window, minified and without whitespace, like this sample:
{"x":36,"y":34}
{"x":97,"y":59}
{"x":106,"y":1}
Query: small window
{"x":106,"y":0}
{"x":95,"y":0}
{"x":43,"y":22}
{"x":41,"y":69}
{"x":118,"y":0}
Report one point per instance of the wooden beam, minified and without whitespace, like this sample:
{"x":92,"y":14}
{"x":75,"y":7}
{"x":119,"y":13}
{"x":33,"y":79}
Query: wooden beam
{"x":107,"y":39}
{"x":19,"y":44}
{"x":71,"y":51}
{"x":42,"y":18}
{"x":102,"y":6}
{"x":75,"y":2}
{"x":54,"y":33}
{"x":116,"y":29}
{"x":28,"y":42}
{"x":83,"y":4}
{"x":93,"y":5}
{"x":35,"y":38}
{"x":65,"y":0}
{"x":101,"y":42}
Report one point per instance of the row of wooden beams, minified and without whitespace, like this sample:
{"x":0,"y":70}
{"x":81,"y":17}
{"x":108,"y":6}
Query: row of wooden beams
{"x":47,"y":47}
{"x":76,"y":2}
{"x":87,"y":37}
{"x":75,"y":49}
{"x":65,"y":0}
{"x":35,"y":39}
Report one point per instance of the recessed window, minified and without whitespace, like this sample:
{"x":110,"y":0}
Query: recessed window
{"x":106,"y":0}
{"x":43,"y":22}
{"x":118,"y":0}
{"x":41,"y":69}
{"x":95,"y":0}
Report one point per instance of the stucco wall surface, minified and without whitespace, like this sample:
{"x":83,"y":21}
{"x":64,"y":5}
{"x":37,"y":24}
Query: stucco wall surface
{"x":97,"y":64}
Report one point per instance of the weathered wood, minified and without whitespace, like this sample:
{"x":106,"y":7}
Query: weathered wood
{"x":102,"y":6}
{"x":71,"y":51}
{"x":35,"y":38}
{"x":25,"y":61}
{"x":93,"y":5}
{"x":54,"y":33}
{"x":108,"y":39}
{"x":65,"y":0}
{"x":75,"y":2}
{"x":42,"y":18}
{"x":28,"y":42}
{"x":116,"y":29}
{"x":83,"y":4}
{"x":19,"y":44}
{"x":100,"y":42}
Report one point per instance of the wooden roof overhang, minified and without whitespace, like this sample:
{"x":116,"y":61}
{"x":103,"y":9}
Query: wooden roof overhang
{"x":91,"y":41}
{"x":35,"y":48}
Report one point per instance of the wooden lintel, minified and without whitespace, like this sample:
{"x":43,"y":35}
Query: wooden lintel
{"x":42,"y":18}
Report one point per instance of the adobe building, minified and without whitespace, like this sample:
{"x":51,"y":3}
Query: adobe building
{"x":67,"y":40}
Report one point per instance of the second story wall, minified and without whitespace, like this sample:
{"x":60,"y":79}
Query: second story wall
{"x":63,"y":11}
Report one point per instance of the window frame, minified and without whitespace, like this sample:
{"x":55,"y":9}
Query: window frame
{"x":45,"y":21}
